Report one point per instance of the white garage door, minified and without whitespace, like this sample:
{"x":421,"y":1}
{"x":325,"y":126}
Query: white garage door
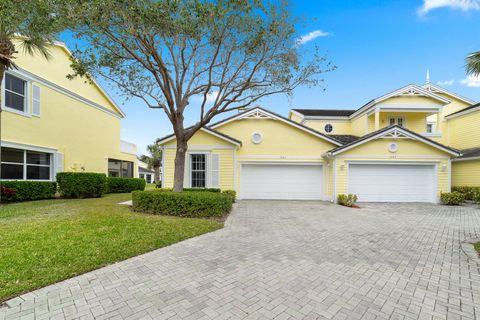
{"x":392,"y":183}
{"x":285,"y":182}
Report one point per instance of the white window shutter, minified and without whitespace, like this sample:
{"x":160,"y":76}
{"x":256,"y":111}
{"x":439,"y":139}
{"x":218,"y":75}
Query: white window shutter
{"x":59,"y":165}
{"x":35,"y":100}
{"x":186,"y":174}
{"x":215,"y":170}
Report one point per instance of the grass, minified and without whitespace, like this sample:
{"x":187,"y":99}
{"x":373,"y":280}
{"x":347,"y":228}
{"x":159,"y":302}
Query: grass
{"x":43,"y":242}
{"x":477,"y":247}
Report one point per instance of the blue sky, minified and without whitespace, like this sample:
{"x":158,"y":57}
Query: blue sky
{"x":377,"y":45}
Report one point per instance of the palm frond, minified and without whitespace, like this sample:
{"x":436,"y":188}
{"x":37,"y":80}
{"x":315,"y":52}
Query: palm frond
{"x":32,"y":45}
{"x":473,"y":63}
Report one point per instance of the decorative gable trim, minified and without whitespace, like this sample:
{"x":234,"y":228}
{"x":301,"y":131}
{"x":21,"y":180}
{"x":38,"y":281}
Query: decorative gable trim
{"x":436,"y":89}
{"x":393,"y":132}
{"x":260,"y":113}
{"x":410,"y":90}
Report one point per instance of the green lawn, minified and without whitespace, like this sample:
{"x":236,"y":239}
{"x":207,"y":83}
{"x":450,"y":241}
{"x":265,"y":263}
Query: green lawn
{"x":477,"y":247}
{"x":43,"y":242}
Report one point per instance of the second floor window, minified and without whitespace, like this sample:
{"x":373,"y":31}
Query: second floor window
{"x":15,"y":93}
{"x":397,"y":121}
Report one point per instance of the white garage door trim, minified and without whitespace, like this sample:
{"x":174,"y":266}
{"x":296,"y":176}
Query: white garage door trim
{"x":320,"y":166}
{"x":432,"y":178}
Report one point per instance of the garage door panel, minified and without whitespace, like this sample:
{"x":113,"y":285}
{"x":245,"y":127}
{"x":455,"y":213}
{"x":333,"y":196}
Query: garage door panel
{"x":392,"y":183}
{"x":300,"y":182}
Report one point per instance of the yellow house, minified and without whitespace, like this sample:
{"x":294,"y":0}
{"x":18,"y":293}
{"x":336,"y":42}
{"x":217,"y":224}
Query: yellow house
{"x":405,"y":146}
{"x":51,"y":124}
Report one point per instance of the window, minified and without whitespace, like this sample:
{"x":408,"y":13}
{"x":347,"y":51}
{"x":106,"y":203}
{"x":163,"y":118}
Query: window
{"x":400,"y":121}
{"x":328,"y":128}
{"x":26,"y":165}
{"x":119,"y":168}
{"x":148,"y":178}
{"x":429,"y":127}
{"x":15,"y":93}
{"x":198,"y":165}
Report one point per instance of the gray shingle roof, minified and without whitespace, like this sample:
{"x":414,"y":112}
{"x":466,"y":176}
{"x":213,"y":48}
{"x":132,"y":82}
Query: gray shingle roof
{"x":325,"y":112}
{"x":470,"y":153}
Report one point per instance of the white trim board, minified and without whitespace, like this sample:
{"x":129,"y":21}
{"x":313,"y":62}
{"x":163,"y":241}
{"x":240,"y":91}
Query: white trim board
{"x":275,"y":117}
{"x":394,"y":129}
{"x":34,"y":78}
{"x":204,"y":129}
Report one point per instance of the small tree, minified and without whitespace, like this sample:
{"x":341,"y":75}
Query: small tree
{"x":230,"y":53}
{"x":153,"y":160}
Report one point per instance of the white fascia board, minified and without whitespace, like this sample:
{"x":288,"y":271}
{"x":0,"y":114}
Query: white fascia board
{"x":380,"y":134}
{"x":462,"y":113}
{"x":450,"y":93}
{"x":398,"y":93}
{"x":213,"y":133}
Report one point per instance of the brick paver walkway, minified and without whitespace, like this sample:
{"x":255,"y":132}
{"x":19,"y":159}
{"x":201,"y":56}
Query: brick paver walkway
{"x":288,"y":260}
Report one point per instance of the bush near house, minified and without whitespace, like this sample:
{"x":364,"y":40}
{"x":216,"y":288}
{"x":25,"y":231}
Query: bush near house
{"x":231,"y":193}
{"x":27,"y":190}
{"x":193,"y":204}
{"x":81,"y":184}
{"x":452,"y":198}
{"x":125,"y":185}
{"x":347,"y":200}
{"x":468,"y":191}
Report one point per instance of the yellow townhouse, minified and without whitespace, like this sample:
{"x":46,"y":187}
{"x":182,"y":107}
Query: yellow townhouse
{"x":408,"y":145}
{"x":51,"y":124}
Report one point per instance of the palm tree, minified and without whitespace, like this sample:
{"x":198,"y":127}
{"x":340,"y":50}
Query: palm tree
{"x":153,"y":160}
{"x":473,"y":63}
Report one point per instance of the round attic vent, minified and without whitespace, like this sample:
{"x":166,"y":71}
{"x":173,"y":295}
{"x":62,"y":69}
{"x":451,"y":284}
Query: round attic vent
{"x":257,"y":137}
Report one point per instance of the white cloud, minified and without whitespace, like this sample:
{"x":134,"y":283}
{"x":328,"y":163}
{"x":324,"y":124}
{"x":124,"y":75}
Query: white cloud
{"x":464,"y":5}
{"x":212,"y":96}
{"x":471,"y":81}
{"x":311,"y":36}
{"x":446,"y":82}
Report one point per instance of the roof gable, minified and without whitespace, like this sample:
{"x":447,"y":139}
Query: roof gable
{"x":437,"y":89}
{"x":475,"y":107}
{"x":410,"y":90}
{"x":394,"y":132}
{"x":260,"y":113}
{"x":207,"y":130}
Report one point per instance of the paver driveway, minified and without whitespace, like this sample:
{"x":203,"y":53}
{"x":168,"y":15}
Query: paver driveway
{"x":288,"y":260}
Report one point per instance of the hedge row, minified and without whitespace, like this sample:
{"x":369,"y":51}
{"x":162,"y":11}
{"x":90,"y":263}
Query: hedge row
{"x":27,"y":190}
{"x":194,"y":204}
{"x":124,"y":185}
{"x":471,"y":193}
{"x":81,"y":184}
{"x":452,"y":198}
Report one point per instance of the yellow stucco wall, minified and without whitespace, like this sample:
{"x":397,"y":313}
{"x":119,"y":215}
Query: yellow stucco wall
{"x":465,"y":131}
{"x":339,"y":126}
{"x":377,"y":151}
{"x":205,"y":143}
{"x":466,"y":173}
{"x":85,"y":135}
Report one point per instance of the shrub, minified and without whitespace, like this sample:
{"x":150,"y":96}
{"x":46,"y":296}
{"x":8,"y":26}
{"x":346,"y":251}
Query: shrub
{"x":468,"y":191}
{"x":231,"y":193}
{"x":452,"y":198}
{"x":347,"y":200}
{"x":81,"y":184}
{"x":476,"y":196}
{"x":182,"y":204}
{"x":193,"y":189}
{"x":28,"y":190}
{"x":124,"y":185}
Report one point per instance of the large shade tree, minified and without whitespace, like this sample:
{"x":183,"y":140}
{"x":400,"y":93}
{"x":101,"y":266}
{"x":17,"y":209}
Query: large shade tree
{"x":223,"y":54}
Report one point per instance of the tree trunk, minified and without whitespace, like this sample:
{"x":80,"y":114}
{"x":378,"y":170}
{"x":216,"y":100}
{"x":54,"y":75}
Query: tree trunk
{"x":157,"y":174}
{"x":180,"y":157}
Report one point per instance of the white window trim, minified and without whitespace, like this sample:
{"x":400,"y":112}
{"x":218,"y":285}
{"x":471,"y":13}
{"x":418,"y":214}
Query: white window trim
{"x":404,"y":120}
{"x":207,"y":169}
{"x":25,"y":165}
{"x":28,"y":85}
